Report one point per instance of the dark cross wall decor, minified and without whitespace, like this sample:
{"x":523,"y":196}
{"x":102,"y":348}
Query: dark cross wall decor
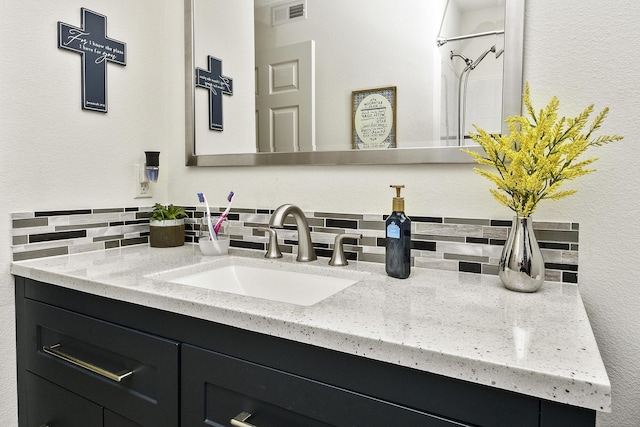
{"x":96,"y":49}
{"x":217,"y":84}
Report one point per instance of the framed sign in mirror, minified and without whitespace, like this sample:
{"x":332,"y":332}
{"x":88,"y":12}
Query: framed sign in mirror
{"x":373,"y":118}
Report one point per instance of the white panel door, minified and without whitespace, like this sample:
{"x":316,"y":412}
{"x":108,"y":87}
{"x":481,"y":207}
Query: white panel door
{"x":285,"y":98}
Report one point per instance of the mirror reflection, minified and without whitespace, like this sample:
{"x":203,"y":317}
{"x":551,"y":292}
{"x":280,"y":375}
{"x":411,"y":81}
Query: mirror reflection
{"x":445,"y":59}
{"x":471,"y":48}
{"x":367,"y":44}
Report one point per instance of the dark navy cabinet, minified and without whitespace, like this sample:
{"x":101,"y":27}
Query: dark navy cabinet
{"x":122,"y":376}
{"x":51,"y":405}
{"x":230,"y":388}
{"x":182,"y":371}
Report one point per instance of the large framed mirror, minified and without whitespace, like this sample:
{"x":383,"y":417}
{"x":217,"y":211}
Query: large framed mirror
{"x":453,"y":53}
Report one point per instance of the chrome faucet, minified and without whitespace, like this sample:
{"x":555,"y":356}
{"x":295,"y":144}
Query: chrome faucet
{"x":305,"y":246}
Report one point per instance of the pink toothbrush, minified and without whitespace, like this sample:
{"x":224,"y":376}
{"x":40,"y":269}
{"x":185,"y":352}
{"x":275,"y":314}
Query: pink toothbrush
{"x":216,"y":227}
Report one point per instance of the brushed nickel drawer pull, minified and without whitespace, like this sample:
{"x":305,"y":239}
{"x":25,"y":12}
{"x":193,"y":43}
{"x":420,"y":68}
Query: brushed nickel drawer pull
{"x":239,"y":420}
{"x":54,"y":351}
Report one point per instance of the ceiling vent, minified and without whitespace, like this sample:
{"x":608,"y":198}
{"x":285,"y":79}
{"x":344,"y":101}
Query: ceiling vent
{"x":289,"y":12}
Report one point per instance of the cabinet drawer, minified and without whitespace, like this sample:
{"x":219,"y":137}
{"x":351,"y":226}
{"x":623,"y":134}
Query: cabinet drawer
{"x":216,"y":388}
{"x":50,"y":405}
{"x":130,"y":372}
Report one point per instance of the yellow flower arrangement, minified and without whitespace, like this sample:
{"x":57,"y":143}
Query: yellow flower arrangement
{"x":538,"y":154}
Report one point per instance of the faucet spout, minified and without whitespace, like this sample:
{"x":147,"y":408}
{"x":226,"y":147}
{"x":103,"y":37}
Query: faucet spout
{"x":305,"y":246}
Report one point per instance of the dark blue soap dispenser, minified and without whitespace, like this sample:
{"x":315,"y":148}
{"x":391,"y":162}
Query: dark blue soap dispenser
{"x":398,"y":236}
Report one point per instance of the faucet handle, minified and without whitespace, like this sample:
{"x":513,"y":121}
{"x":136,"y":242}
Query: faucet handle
{"x":273,"y":250}
{"x":338,"y":259}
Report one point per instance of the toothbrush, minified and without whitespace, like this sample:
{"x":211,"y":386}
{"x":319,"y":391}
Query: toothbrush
{"x":216,"y":228}
{"x":203,"y":199}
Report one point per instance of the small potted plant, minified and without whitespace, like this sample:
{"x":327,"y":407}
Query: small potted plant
{"x":166,"y":226}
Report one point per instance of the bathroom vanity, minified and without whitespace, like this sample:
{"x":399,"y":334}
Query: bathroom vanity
{"x":108,"y":339}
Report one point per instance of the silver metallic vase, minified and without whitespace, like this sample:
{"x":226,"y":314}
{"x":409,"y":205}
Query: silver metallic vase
{"x":521,"y":265}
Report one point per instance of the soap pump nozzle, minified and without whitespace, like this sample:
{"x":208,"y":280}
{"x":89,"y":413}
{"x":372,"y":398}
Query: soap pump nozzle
{"x":398,"y":202}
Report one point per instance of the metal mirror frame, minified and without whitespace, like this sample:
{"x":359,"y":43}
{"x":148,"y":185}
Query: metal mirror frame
{"x":512,"y":84}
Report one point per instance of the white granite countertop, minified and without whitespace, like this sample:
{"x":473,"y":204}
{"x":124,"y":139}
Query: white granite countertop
{"x":460,"y":325}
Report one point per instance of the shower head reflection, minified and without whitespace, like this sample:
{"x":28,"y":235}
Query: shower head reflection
{"x":459,"y":55}
{"x":481,"y":57}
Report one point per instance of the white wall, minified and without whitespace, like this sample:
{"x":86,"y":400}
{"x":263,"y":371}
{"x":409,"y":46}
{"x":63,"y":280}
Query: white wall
{"x":54,"y":156}
{"x":582,"y":51}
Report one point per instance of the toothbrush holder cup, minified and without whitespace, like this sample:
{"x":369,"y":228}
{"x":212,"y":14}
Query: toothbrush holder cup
{"x":214,"y":247}
{"x":203,"y":226}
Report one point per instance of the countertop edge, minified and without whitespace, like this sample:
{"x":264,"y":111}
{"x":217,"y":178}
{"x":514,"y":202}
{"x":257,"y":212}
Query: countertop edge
{"x":594,"y":395}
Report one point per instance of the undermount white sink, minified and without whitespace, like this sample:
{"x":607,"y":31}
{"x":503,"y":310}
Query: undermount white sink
{"x":276,"y":281}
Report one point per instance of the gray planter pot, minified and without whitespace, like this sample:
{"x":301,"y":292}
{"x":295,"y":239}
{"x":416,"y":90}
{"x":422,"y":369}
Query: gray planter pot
{"x":166,"y":234}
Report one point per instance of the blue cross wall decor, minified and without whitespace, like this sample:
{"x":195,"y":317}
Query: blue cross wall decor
{"x":96,"y":49}
{"x":217,"y":84}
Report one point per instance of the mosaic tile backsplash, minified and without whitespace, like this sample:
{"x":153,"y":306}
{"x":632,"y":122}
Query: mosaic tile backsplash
{"x":457,"y":244}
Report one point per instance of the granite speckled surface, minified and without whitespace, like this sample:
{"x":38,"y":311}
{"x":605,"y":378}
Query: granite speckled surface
{"x":460,"y":325}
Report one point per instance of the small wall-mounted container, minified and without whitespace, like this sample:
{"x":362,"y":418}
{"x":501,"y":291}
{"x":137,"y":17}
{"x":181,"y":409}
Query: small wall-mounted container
{"x":214,"y":247}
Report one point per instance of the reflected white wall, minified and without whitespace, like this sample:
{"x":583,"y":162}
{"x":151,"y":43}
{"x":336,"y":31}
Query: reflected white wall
{"x":366,"y":44}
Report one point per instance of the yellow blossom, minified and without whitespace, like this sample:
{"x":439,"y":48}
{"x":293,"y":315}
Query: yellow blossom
{"x":538,"y":155}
